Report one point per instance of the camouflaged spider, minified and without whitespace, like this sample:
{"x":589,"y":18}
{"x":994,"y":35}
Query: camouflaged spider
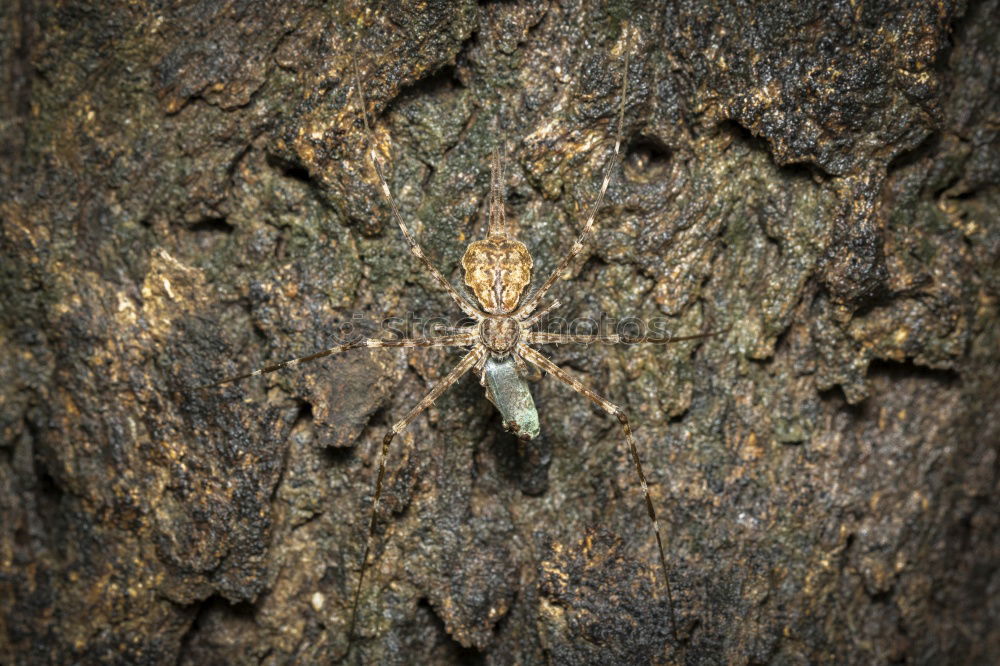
{"x":497,"y":269}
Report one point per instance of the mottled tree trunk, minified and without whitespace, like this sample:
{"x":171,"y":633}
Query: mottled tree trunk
{"x":186,"y":197}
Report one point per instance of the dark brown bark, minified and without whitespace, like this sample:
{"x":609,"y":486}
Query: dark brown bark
{"x":186,"y":197}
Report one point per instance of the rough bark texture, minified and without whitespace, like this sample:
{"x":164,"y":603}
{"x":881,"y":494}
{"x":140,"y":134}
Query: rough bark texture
{"x":185,"y":196}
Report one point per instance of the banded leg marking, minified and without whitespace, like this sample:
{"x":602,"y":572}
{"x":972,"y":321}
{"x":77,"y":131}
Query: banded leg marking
{"x":538,"y":314}
{"x":415,"y":248}
{"x":461,"y":340}
{"x":537,"y":358}
{"x":542,"y":338}
{"x":588,"y":227}
{"x":464,"y":366}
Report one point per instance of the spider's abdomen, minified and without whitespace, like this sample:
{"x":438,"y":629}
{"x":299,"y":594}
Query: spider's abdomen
{"x":506,"y":389}
{"x":497,"y":270}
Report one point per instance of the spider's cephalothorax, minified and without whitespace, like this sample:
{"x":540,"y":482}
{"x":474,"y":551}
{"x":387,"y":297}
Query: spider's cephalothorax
{"x":497,"y":270}
{"x":499,"y":334}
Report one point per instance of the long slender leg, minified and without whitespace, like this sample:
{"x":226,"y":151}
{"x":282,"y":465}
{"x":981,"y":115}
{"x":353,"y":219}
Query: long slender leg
{"x":577,"y":247}
{"x":542,"y":338}
{"x":456,"y":330}
{"x":536,"y":358}
{"x":460,"y":340}
{"x":415,"y":248}
{"x":464,"y":365}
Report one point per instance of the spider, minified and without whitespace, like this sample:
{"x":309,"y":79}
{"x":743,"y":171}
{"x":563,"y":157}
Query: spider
{"x":498,"y":271}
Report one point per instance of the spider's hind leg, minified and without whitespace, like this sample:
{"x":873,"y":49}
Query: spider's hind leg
{"x":457,"y":372}
{"x":538,"y":359}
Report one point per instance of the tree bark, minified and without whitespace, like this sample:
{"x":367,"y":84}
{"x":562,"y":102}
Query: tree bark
{"x":187,"y":197}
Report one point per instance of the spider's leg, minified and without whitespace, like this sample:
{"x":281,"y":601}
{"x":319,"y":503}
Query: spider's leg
{"x":588,"y":228}
{"x":461,"y":340}
{"x":466,"y":363}
{"x":543,"y":338}
{"x":415,"y":248}
{"x":455,"y":330}
{"x":536,"y":358}
{"x":538,"y":314}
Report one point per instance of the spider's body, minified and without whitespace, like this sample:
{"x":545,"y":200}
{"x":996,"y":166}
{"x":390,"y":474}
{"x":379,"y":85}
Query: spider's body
{"x":499,"y":343}
{"x":497,"y":270}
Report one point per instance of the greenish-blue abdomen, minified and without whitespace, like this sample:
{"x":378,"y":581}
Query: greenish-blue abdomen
{"x":509,"y":392}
